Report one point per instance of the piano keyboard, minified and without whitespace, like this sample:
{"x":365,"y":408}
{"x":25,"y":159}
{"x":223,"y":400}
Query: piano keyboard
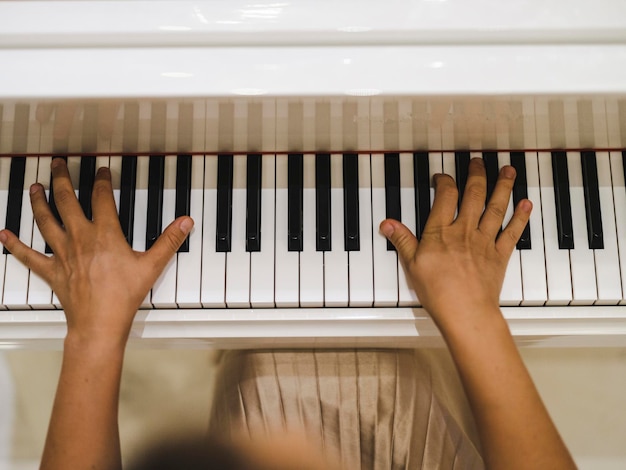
{"x":301,"y":230}
{"x":291,"y":256}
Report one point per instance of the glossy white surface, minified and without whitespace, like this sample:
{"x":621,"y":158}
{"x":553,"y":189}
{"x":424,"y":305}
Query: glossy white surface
{"x":313,"y":71}
{"x":78,"y":24}
{"x":391,"y":327}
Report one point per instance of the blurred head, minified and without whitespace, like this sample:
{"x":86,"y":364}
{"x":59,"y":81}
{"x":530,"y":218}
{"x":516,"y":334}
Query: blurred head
{"x":195,"y":453}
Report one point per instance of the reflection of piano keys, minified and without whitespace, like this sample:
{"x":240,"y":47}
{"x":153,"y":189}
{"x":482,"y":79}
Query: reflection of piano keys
{"x":352,"y":291}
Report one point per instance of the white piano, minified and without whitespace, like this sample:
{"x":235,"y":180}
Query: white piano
{"x":391,"y":86}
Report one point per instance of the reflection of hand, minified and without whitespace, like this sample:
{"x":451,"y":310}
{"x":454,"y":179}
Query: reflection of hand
{"x":64,"y":117}
{"x":98,"y":278}
{"x":457,"y":268}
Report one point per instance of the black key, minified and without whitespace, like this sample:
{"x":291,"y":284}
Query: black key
{"x":490,"y":160}
{"x":461,"y":166}
{"x":295,"y":189}
{"x":224,"y":203}
{"x":154,"y":219}
{"x":322,"y":202}
{"x":53,"y":206}
{"x":392,"y":190}
{"x":183,"y":192}
{"x":562,"y":200}
{"x":128,"y":184}
{"x":421,"y":182}
{"x":253,"y":203}
{"x":85,"y":184}
{"x":591,"y":189}
{"x":14,"y":197}
{"x":520,"y":191}
{"x":351,"y":235}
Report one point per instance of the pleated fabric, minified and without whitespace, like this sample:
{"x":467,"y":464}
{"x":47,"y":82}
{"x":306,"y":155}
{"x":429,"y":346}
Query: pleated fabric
{"x":369,"y":409}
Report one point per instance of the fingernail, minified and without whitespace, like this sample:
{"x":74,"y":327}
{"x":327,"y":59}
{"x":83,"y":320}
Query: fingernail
{"x":3,"y":237}
{"x":479,"y":161}
{"x":508,"y":172}
{"x":56,"y":162}
{"x":186,"y":226}
{"x":526,"y":205}
{"x":34,"y":188}
{"x":387,"y":229}
{"x":104,"y":171}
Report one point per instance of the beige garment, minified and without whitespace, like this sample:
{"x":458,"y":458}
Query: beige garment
{"x":373,"y":409}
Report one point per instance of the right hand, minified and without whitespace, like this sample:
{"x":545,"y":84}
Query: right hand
{"x":457,"y":268}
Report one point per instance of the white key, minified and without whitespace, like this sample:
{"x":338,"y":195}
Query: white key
{"x":511,"y":293}
{"x":39,"y":293}
{"x":73,"y":167}
{"x":262,"y":262}
{"x":406,"y":294}
{"x":581,"y":257}
{"x":15,"y":293}
{"x":619,"y":199}
{"x":5,"y":168}
{"x":238,"y":259}
{"x":360,"y":263}
{"x":607,"y":260}
{"x":385,"y":262}
{"x":164,"y":289}
{"x":336,"y":261}
{"x":559,"y":282}
{"x":435,"y":166}
{"x":287,"y":273}
{"x":141,"y":204}
{"x":115,"y":166}
{"x":448,"y":165}
{"x":105,"y":161}
{"x":533,"y":261}
{"x":189,"y":275}
{"x":213,"y":288}
{"x":311,"y":261}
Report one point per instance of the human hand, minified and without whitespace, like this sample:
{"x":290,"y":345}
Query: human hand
{"x":99,"y":280}
{"x":457,"y":268}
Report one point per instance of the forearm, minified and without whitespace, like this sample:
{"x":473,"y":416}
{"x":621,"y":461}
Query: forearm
{"x":513,"y":423}
{"x":83,"y":432}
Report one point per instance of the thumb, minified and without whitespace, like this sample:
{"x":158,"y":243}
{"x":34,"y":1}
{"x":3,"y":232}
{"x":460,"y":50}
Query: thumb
{"x":401,"y":237}
{"x":169,"y":241}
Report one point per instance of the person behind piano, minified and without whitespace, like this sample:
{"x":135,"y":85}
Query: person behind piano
{"x":457,"y":270}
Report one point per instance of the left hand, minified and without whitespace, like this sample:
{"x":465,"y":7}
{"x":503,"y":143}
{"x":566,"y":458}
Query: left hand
{"x":98,"y":278}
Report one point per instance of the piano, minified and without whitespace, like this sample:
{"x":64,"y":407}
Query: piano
{"x":289,"y":130}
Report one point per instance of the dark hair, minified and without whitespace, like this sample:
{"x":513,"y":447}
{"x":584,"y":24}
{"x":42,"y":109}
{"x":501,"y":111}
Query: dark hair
{"x":192,"y":454}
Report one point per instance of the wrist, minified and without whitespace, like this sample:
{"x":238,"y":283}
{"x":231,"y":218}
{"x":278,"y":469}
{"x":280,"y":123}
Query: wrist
{"x":84,"y":344}
{"x":472,"y":322}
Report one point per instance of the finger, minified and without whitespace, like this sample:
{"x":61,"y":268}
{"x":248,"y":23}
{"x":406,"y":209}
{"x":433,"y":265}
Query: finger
{"x":38,"y":263}
{"x":444,"y":204}
{"x":43,"y":113}
{"x":168,"y":243}
{"x":64,"y":197}
{"x":102,"y":201}
{"x":48,"y":225}
{"x":473,"y":202}
{"x":402,"y":239}
{"x":106,"y":118}
{"x":514,"y":229}
{"x":63,"y":121}
{"x":495,"y":210}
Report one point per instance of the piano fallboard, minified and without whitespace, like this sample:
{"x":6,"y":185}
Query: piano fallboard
{"x":596,"y":326}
